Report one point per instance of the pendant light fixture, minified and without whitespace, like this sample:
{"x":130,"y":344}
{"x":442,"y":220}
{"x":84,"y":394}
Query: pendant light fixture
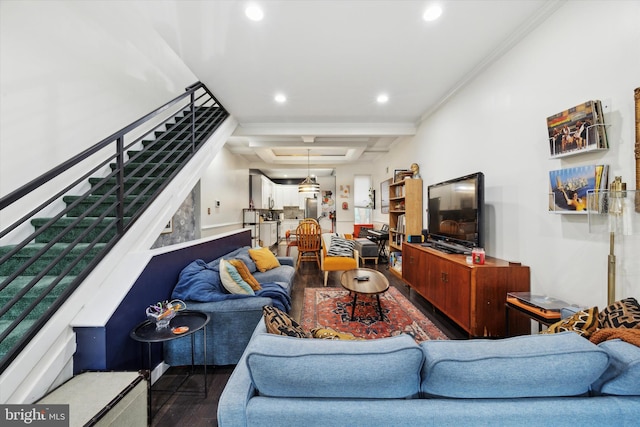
{"x":309,"y":185}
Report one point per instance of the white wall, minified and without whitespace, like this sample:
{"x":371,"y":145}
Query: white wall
{"x":73,"y":73}
{"x":497,"y":125}
{"x":226,"y":180}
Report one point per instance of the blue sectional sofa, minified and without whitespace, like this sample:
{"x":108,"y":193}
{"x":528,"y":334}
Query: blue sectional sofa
{"x":538,"y":380}
{"x":232,"y":320}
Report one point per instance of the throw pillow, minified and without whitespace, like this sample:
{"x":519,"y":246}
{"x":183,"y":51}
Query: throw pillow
{"x":232,"y":281}
{"x":330,"y":334}
{"x":280,"y":323}
{"x":584,"y":323}
{"x":341,"y":247}
{"x":245,"y":274}
{"x":621,"y":314}
{"x":264,"y":259}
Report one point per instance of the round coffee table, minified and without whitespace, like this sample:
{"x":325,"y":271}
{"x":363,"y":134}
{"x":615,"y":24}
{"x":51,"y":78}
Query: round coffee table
{"x":376,"y":285}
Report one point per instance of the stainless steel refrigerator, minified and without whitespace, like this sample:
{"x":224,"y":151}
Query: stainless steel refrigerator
{"x":311,"y":208}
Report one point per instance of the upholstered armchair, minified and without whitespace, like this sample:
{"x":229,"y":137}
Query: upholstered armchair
{"x":335,"y":263}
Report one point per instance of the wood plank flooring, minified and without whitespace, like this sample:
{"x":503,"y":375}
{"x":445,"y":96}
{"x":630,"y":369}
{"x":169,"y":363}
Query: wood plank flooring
{"x":187,"y":406}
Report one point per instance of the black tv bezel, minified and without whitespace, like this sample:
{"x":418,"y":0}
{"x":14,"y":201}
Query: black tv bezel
{"x":479,"y":199}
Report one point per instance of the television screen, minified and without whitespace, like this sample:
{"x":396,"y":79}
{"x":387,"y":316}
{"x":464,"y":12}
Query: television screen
{"x":456,"y":211}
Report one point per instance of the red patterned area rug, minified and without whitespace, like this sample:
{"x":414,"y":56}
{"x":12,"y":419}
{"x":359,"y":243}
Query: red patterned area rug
{"x":331,"y":308}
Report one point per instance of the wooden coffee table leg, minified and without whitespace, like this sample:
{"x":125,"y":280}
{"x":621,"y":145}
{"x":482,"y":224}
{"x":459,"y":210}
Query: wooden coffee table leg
{"x":353,"y":308}
{"x":379,"y":307}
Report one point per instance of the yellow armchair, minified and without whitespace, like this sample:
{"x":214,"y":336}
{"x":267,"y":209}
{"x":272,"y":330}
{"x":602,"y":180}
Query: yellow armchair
{"x":335,"y":263}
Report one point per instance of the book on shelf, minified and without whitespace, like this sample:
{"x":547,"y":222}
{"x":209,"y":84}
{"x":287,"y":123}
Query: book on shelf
{"x":577,"y":129}
{"x":400,"y":226}
{"x":569,"y":187}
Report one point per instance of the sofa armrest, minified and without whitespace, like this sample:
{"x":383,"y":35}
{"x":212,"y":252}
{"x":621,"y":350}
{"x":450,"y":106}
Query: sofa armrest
{"x":286,"y":260}
{"x":232,"y":405}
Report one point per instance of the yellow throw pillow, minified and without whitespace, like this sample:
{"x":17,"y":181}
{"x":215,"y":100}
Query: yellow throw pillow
{"x":264,"y":259}
{"x":245,"y":274}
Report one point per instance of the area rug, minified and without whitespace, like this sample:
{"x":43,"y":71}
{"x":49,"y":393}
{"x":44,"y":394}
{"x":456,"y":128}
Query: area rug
{"x":331,"y":308}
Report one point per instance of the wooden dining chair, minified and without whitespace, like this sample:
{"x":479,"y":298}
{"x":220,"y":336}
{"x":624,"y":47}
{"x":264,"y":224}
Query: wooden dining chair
{"x":308,"y":238}
{"x":290,"y":242}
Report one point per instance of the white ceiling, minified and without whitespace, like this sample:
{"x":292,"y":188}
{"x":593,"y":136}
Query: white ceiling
{"x":332,"y":59}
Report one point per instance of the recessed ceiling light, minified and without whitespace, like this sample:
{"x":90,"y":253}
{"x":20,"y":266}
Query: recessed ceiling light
{"x":382,"y":98}
{"x":432,"y":13}
{"x":280,"y":98}
{"x":254,"y":12}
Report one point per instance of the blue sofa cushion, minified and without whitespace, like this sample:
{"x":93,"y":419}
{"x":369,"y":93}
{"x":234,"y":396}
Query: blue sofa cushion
{"x":240,"y":253}
{"x":622,"y":377}
{"x":282,"y":366}
{"x":282,"y":275}
{"x":563,"y":364}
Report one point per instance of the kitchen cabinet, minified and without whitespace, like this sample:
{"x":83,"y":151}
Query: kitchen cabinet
{"x":269,"y":233}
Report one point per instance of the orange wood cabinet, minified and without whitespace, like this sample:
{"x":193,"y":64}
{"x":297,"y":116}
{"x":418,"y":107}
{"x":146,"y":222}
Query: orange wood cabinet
{"x":473,"y":296}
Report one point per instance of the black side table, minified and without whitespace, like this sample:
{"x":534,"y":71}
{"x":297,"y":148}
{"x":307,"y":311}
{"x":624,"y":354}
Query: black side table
{"x":146,"y":332}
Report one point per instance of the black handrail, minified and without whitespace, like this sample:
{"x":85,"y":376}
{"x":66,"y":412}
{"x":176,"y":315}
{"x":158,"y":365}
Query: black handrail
{"x":93,"y":222}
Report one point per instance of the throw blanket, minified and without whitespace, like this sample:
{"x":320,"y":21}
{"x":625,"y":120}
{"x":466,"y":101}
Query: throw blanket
{"x":201,"y":282}
{"x":632,"y":336}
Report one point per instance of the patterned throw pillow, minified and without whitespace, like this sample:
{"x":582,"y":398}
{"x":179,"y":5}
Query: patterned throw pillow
{"x":245,"y":274}
{"x":583,"y":323}
{"x":341,"y":247}
{"x":621,"y":314}
{"x":264,"y":259}
{"x":280,"y":323}
{"x":330,"y":334}
{"x":232,"y":281}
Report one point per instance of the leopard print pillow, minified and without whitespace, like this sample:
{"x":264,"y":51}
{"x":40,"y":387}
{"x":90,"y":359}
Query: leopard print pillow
{"x":621,"y":314}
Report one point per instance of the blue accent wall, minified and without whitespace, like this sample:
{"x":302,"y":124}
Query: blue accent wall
{"x":110,"y":347}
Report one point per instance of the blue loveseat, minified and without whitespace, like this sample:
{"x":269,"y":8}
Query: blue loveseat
{"x":233,"y":317}
{"x":538,"y":380}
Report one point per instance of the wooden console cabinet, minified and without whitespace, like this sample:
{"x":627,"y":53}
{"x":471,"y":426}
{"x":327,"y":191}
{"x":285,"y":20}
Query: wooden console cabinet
{"x":473,"y":296}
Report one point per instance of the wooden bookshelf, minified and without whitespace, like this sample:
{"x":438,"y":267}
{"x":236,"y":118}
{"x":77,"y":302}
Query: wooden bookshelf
{"x":405,"y":211}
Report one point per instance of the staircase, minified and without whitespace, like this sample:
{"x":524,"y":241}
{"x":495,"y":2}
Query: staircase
{"x":39,"y":273}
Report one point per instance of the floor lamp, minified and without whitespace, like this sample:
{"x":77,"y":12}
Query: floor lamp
{"x":616,"y":211}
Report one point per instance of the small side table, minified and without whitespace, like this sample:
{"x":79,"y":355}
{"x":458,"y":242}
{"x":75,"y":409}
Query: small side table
{"x":544,"y":310}
{"x":146,"y":332}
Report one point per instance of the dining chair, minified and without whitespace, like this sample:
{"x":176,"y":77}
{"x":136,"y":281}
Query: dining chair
{"x":308,"y":238}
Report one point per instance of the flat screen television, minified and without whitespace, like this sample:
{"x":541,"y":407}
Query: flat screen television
{"x":456,"y":213}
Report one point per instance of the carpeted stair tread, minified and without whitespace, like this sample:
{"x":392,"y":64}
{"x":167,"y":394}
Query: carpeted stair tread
{"x":109,"y":203}
{"x":138,"y":169}
{"x":28,"y":252}
{"x":167,"y":155}
{"x":129,"y":184}
{"x":15,"y":335}
{"x":33,"y":293}
{"x":56,"y":230}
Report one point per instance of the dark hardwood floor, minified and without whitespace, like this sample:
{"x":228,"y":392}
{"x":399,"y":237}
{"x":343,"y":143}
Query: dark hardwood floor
{"x":187,"y":405}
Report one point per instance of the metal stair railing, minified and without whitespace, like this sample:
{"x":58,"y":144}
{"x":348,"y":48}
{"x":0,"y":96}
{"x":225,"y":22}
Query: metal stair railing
{"x":178,"y":127}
